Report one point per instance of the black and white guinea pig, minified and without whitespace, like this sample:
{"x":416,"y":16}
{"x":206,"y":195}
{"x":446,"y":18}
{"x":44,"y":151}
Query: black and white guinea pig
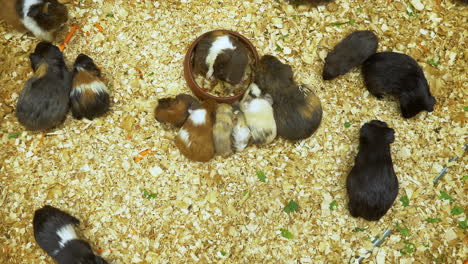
{"x":352,"y":51}
{"x":221,"y":56}
{"x":399,"y":75}
{"x":298,"y":111}
{"x":259,"y":116}
{"x":41,"y":17}
{"x":89,"y":96}
{"x":372,"y":184}
{"x":55,"y":233}
{"x":44,"y":101}
{"x":175,"y":110}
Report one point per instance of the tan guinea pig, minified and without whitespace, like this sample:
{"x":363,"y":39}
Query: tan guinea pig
{"x":222,"y":129}
{"x":195,"y":138}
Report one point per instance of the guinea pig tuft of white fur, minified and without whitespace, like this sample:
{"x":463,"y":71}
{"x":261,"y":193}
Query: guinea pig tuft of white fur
{"x":89,"y":96}
{"x":54,"y":231}
{"x":259,"y":115}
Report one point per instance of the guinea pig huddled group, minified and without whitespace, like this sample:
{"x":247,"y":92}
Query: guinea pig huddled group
{"x":46,"y":97}
{"x":272,"y":105}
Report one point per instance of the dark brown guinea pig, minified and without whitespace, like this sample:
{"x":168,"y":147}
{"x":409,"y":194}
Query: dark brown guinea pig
{"x":221,"y":56}
{"x":372,"y":184}
{"x":399,"y":75}
{"x":175,"y":110}
{"x":298,"y":113}
{"x":89,"y":97}
{"x":352,"y":51}
{"x":195,"y":137}
{"x":42,"y":17}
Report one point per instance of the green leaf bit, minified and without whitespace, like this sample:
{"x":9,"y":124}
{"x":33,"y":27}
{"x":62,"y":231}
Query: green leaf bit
{"x":404,"y":200}
{"x":286,"y":234}
{"x":292,"y":206}
{"x":261,"y":176}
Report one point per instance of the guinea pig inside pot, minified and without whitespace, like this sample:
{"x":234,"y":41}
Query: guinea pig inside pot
{"x":372,"y":185}
{"x":298,"y":111}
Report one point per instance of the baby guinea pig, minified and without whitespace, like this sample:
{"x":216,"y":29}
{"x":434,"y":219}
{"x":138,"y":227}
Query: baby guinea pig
{"x":259,"y":115}
{"x":41,"y":17}
{"x":240,"y":132}
{"x":175,"y":110}
{"x":298,"y":113}
{"x":352,"y":51}
{"x":399,"y":75}
{"x":222,"y":56}
{"x":195,"y":138}
{"x":89,"y":96}
{"x":44,"y":101}
{"x":372,"y":184}
{"x":55,"y":233}
{"x":222,"y":129}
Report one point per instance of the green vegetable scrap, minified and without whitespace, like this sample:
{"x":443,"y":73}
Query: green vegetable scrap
{"x":408,"y":248}
{"x":347,"y":125}
{"x":261,"y":176}
{"x":404,"y":231}
{"x":359,"y":229}
{"x":286,"y":234}
{"x":463,"y":224}
{"x":333,"y":205}
{"x":457,"y":210}
{"x":433,"y":220}
{"x":433,"y":63}
{"x":148,"y":195}
{"x":14,"y":135}
{"x":445,"y":196}
{"x":404,"y":200}
{"x":292,"y":206}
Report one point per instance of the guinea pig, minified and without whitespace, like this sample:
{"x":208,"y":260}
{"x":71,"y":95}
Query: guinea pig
{"x":89,"y":96}
{"x":298,"y":111}
{"x":222,"y":129}
{"x":44,"y":101}
{"x":372,"y":184}
{"x":222,"y":56}
{"x":258,"y":112}
{"x":55,"y":233}
{"x":195,"y":137}
{"x":41,"y":17}
{"x":352,"y":51}
{"x":240,"y":132}
{"x":175,"y":110}
{"x":399,"y":75}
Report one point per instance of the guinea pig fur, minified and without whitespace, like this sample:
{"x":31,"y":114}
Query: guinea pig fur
{"x":372,"y":184}
{"x":44,"y":101}
{"x":89,"y":96}
{"x":221,"y":56}
{"x":259,"y":115}
{"x":175,"y":110}
{"x":41,"y":17}
{"x":298,"y":111}
{"x":222,"y":129}
{"x":55,"y":233}
{"x":399,"y":75}
{"x":10,"y":16}
{"x":240,"y":132}
{"x":352,"y":51}
{"x":195,"y":138}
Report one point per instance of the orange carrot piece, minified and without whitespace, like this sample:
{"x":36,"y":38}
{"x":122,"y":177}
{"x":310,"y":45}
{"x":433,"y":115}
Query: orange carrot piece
{"x":68,"y":38}
{"x":424,"y":48}
{"x":99,"y":250}
{"x":98,"y":26}
{"x":140,"y":72}
{"x":142,"y":154}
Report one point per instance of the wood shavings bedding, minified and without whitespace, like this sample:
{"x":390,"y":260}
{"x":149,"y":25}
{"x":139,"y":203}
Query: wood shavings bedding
{"x":220,"y":212}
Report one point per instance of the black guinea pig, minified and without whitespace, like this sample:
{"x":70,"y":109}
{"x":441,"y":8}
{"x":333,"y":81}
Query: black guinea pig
{"x":372,"y":184}
{"x":352,"y":51}
{"x":55,"y":233}
{"x":41,"y":17}
{"x":221,"y":56}
{"x":89,"y":96}
{"x":44,"y":101}
{"x":175,"y":110}
{"x":399,"y":75}
{"x":298,"y":113}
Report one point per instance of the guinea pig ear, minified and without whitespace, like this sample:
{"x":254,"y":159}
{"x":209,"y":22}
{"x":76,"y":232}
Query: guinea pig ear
{"x":34,"y":11}
{"x":35,"y":60}
{"x":269,"y":99}
{"x":389,"y":135}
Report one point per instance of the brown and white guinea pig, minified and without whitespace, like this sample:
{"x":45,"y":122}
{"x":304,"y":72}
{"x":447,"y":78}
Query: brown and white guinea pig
{"x":222,"y":129}
{"x":221,"y":56}
{"x":352,"y":51}
{"x":372,"y":185}
{"x":44,"y":101}
{"x":399,"y":75}
{"x":41,"y":17}
{"x":298,"y":113}
{"x":240,"y":132}
{"x":258,"y":112}
{"x":175,"y":110}
{"x":195,"y":137}
{"x":54,"y":231}
{"x":89,"y":96}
